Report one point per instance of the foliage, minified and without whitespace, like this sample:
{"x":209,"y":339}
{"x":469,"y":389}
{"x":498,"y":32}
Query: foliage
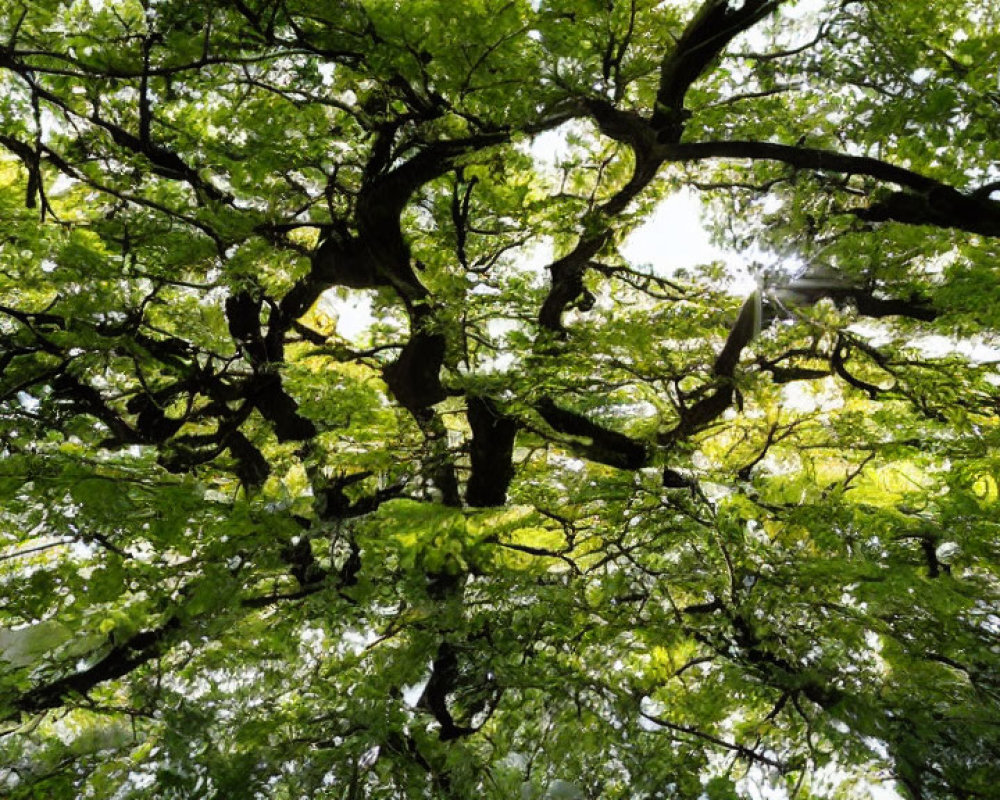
{"x":552,"y":524}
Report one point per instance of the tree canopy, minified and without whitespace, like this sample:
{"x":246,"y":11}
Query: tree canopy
{"x":551,"y":523}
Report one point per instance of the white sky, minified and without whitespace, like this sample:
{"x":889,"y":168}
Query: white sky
{"x":673,"y":237}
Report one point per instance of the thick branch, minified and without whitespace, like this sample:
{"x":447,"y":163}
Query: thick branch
{"x":264,"y":389}
{"x":332,"y":502}
{"x":443,"y":680}
{"x":941,"y":207}
{"x":715,"y":402}
{"x":567,"y":280}
{"x":414,"y":378}
{"x":838,"y":362}
{"x":804,"y":158}
{"x":164,"y":161}
{"x":708,"y":33}
{"x":600,"y":444}
{"x":86,"y":399}
{"x":746,"y":327}
{"x":491,"y":452}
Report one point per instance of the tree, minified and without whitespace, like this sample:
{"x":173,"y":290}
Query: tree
{"x":579,"y":530}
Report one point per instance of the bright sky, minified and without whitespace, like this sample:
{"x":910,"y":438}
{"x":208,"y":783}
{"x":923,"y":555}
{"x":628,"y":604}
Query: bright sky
{"x":673,"y":237}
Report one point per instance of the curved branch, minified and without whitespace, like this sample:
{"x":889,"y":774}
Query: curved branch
{"x":928,"y":201}
{"x":714,"y":404}
{"x":837,"y":361}
{"x":804,"y":158}
{"x":713,"y":27}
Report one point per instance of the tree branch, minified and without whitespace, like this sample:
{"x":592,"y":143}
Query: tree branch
{"x":116,"y":663}
{"x":709,"y":31}
{"x":491,"y":452}
{"x":601,"y":444}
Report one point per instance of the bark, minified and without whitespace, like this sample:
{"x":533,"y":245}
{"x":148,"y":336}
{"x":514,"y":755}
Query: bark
{"x":414,"y":378}
{"x":599,"y":444}
{"x":941,"y":207}
{"x":803,"y":158}
{"x":491,"y":452}
{"x":708,"y":33}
